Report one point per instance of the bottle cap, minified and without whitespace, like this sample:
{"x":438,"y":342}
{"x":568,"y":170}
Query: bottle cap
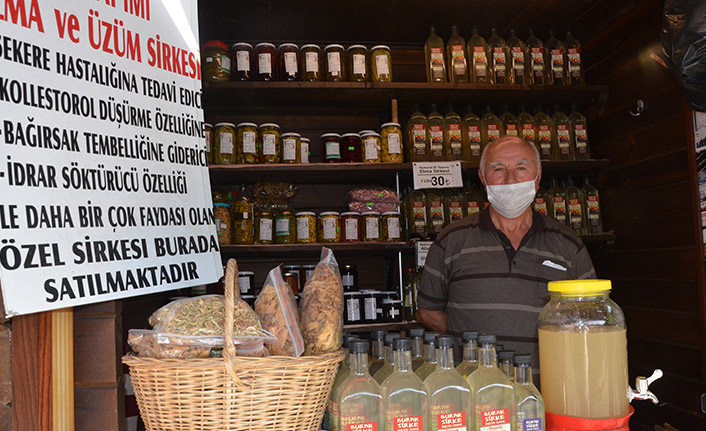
{"x":347,"y":340}
{"x":523,"y":360}
{"x":358,"y":346}
{"x":445,"y":342}
{"x":389,"y":338}
{"x":486,"y":339}
{"x":402,"y":344}
{"x":506,"y":356}
{"x":378,"y":335}
{"x":579,"y":287}
{"x":429,"y":337}
{"x":416,"y":333}
{"x":469,"y":336}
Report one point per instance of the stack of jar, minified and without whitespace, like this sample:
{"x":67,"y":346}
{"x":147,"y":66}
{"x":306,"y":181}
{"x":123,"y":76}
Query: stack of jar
{"x":349,"y":226}
{"x":289,"y":62}
{"x":367,"y":305}
{"x":248,"y":143}
{"x":578,"y":208}
{"x":365,"y":146}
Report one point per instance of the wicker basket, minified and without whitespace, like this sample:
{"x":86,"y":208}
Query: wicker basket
{"x":233,"y":393}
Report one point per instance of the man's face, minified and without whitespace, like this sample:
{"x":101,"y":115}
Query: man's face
{"x":510,"y":162}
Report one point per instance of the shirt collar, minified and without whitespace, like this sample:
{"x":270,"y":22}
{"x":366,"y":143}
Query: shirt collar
{"x":539,"y":222}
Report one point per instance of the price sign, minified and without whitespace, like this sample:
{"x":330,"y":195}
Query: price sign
{"x":421,"y":249}
{"x":437,"y":175}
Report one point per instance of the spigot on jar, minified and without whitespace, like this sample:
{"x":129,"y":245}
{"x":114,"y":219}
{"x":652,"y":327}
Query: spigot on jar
{"x":641,"y":384}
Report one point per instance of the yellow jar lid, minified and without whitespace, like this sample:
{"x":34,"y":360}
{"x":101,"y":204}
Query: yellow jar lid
{"x":579,"y":287}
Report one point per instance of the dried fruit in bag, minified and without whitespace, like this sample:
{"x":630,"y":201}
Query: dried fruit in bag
{"x":277,"y":310}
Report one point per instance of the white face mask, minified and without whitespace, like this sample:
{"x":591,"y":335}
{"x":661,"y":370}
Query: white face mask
{"x":511,"y":200}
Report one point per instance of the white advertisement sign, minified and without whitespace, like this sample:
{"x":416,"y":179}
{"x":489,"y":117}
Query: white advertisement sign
{"x":436,"y":175}
{"x":421,"y":249}
{"x":104,"y":187}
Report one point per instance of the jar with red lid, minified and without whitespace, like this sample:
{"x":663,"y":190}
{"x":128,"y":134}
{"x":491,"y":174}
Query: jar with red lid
{"x":265,"y":61}
{"x":288,"y":62}
{"x":331,"y":148}
{"x":350,"y":148}
{"x":215,"y":61}
{"x":350,"y":223}
{"x":241,"y":68}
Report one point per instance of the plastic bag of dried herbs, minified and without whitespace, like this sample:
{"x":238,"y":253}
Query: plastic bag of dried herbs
{"x":321,"y":308}
{"x":277,"y":310}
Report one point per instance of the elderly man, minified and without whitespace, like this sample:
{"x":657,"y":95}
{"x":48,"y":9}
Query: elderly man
{"x":489,"y":271}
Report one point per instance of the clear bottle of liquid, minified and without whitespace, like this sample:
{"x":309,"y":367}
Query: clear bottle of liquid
{"x":474,"y":199}
{"x":519,"y":60}
{"x":558,"y":202}
{"x":491,"y":127}
{"x":538,"y":69}
{"x":505,"y":363}
{"x":478,"y":56}
{"x":594,"y":221}
{"x":448,"y":392}
{"x":389,"y":365}
{"x":509,"y":122}
{"x":543,"y":127}
{"x":555,"y":58}
{"x":499,"y":59}
{"x":579,"y":135}
{"x":418,"y":136}
{"x":525,"y":125}
{"x":416,"y":205}
{"x":435,"y":121}
{"x":541,"y":202}
{"x":377,"y":359}
{"x":409,"y":300}
{"x":470,"y":354}
{"x":470,"y":136}
{"x":435,"y":58}
{"x":435,"y":208}
{"x":492,"y":391}
{"x":529,"y":409}
{"x":360,"y":396}
{"x":343,"y":372}
{"x":454,"y":206}
{"x":563,"y":134}
{"x":429,"y":355}
{"x":405,"y":400}
{"x":453,"y":141}
{"x":417,"y":337}
{"x":575,"y":206}
{"x":574,"y":69}
{"x":456,"y":55}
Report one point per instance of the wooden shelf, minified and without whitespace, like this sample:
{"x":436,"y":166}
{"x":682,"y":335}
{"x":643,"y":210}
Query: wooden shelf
{"x":365,"y":327}
{"x":343,"y":249}
{"x":599,"y":238}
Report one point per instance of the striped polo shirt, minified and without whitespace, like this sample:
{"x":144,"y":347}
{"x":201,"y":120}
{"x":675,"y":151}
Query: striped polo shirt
{"x":474,"y":274}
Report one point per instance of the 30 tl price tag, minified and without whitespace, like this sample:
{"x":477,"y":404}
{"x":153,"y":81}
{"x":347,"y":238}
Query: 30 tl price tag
{"x":421,"y":249}
{"x":437,"y":175}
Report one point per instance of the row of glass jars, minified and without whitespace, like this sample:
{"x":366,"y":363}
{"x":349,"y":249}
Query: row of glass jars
{"x":289,"y":62}
{"x":248,"y":143}
{"x":365,"y":146}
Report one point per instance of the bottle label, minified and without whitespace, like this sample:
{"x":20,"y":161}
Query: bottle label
{"x":249,"y":143}
{"x":458,"y":59}
{"x":562,"y":131}
{"x":557,"y":63}
{"x":593,"y":209}
{"x":333,"y":150}
{"x":269,"y":144}
{"x":511,"y":129}
{"x":574,"y":56}
{"x":499,"y":60}
{"x":372,"y":228}
{"x":532,"y":424}
{"x":265,"y":229}
{"x":352,"y":306}
{"x":540,"y":205}
{"x":545,"y":140}
{"x":371,"y":149}
{"x":358,"y":64}
{"x":419,"y":212}
{"x":242,"y":60}
{"x":455,"y":139}
{"x":559,"y":208}
{"x":393,"y":143}
{"x":367,"y":426}
{"x":244,"y":283}
{"x":281,"y":227}
{"x":437,"y":140}
{"x":495,"y":420}
{"x":455,"y":210}
{"x":370,"y":309}
{"x":537,"y":57}
{"x":474,"y":140}
{"x":437,"y":63}
{"x":264,"y":62}
{"x":289,"y":149}
{"x":518,"y":61}
{"x":290,"y":63}
{"x":420,"y":139}
{"x":383,"y":67}
{"x":226,"y":143}
{"x":312,"y":62}
{"x":581,"y":138}
{"x":528,"y":132}
{"x":451,"y":421}
{"x":575,"y":217}
{"x":348,"y":280}
{"x":493,"y":132}
{"x":351,"y":229}
{"x":305,"y":152}
{"x":334,"y":63}
{"x":480,"y":61}
{"x":329,"y":228}
{"x":473,"y":207}
{"x":393,"y":228}
{"x":303,"y":228}
{"x":408,"y":423}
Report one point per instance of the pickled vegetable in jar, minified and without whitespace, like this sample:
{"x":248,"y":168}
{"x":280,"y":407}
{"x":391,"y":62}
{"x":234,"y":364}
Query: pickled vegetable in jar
{"x":381,"y":63}
{"x":265,"y":62}
{"x":221,"y":213}
{"x":285,"y":228}
{"x":391,"y":138}
{"x":391,"y":227}
{"x":306,"y":227}
{"x":246,"y":143}
{"x":335,"y":63}
{"x":264,"y":226}
{"x":350,"y":148}
{"x":329,"y":227}
{"x":331,"y":148}
{"x":310,"y":63}
{"x":305,"y":150}
{"x":288,"y":62}
{"x":371,"y":147}
{"x":208,"y":134}
{"x":291,"y":148}
{"x":357,"y":63}
{"x":224,"y":136}
{"x":215,"y":61}
{"x":242,"y":221}
{"x":350,"y":222}
{"x":241,"y":62}
{"x":371,"y":226}
{"x":268,"y":145}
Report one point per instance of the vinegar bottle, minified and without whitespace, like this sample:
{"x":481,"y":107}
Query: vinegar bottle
{"x":474,"y":199}
{"x":343,"y":372}
{"x":541,"y":202}
{"x":593,"y":208}
{"x":574,"y":68}
{"x":416,"y":206}
{"x":456,"y":55}
{"x":529,"y":410}
{"x":505,"y":363}
{"x":537,"y":69}
{"x":389,"y":365}
{"x":405,"y":401}
{"x":435,"y":121}
{"x":435,"y":212}
{"x":562,"y":135}
{"x":477,"y":55}
{"x":417,"y":337}
{"x":434,"y":53}
{"x":453,"y":146}
{"x":579,"y":135}
{"x":554,"y":58}
{"x":470,"y":354}
{"x":454,"y":206}
{"x":378,"y":351}
{"x":525,"y":124}
{"x":429,"y":355}
{"x":575,"y":206}
{"x":491,"y":127}
{"x":360,"y":396}
{"x":449,"y":394}
{"x":417,"y":136}
{"x":470,"y":136}
{"x":499,"y":61}
{"x":519,"y":60}
{"x":543,"y":126}
{"x":509,"y":122}
{"x":557,"y":197}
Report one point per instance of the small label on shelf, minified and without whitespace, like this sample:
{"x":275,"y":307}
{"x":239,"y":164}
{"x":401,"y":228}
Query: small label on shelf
{"x":421,"y":249}
{"x":437,"y":175}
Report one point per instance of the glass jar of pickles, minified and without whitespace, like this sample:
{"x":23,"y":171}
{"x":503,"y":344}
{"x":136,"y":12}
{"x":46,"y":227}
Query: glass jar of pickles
{"x":331,"y":148}
{"x":241,"y":62}
{"x":306,"y":227}
{"x":268,"y":145}
{"x":265,"y":61}
{"x":215,"y":61}
{"x":371,"y":147}
{"x":350,"y":148}
{"x":391,"y":138}
{"x":288,"y":62}
{"x":371,"y":226}
{"x":224,"y":136}
{"x":246,"y":143}
{"x":310,"y":67}
{"x":291,"y":148}
{"x":264,"y":226}
{"x":381,"y":64}
{"x":285,"y":228}
{"x":242,"y":221}
{"x":221,"y":212}
{"x":391,"y":227}
{"x":329,"y":227}
{"x":335,"y":63}
{"x":305,"y":149}
{"x":208,"y":138}
{"x":357,"y":63}
{"x":350,"y":222}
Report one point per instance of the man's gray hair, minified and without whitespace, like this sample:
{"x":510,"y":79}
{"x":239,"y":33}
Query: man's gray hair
{"x":508,"y":138}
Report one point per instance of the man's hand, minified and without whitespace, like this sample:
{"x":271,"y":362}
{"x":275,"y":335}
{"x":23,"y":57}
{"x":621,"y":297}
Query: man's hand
{"x":432,"y":319}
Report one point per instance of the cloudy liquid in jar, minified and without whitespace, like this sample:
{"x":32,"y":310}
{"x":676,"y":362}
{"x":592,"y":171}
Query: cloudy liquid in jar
{"x":584,"y":374}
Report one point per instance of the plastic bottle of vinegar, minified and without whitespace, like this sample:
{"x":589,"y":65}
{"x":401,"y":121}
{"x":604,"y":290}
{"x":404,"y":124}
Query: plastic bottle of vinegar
{"x":478,"y":57}
{"x":360,"y":396}
{"x":557,"y":197}
{"x":435,"y":121}
{"x":456,"y":56}
{"x":405,"y":400}
{"x":519,"y":60}
{"x":470,"y":354}
{"x":529,"y":410}
{"x":417,"y":337}
{"x":509,"y":122}
{"x":471,"y":136}
{"x":449,"y":393}
{"x":562,"y":135}
{"x":435,"y":58}
{"x":525,"y":124}
{"x":579,"y":134}
{"x":453,"y":141}
{"x":594,"y":222}
{"x":343,"y":372}
{"x":417,"y":136}
{"x":389,"y":364}
{"x":499,"y":59}
{"x":491,"y":127}
{"x":429,"y":355}
{"x":574,"y":68}
{"x":377,"y":338}
{"x":543,"y":126}
{"x":555,"y":53}
{"x":575,"y":207}
{"x":537,"y":68}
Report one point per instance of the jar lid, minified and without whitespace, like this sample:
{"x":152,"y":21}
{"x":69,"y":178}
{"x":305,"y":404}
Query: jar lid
{"x":327,"y":135}
{"x":350,"y":134}
{"x":207,"y":125}
{"x":380,"y":47}
{"x":333,"y":45}
{"x":306,"y":139}
{"x":391,"y":213}
{"x":269,"y":125}
{"x":242,"y":44}
{"x":358,"y":47}
{"x":245,"y":273}
{"x":308,"y":266}
{"x":351,"y":293}
{"x":579,"y":287}
{"x":375,"y":213}
{"x":217,"y":43}
{"x":285,"y":213}
{"x":225,"y":124}
{"x":288,"y":45}
{"x":221,"y":205}
{"x":391,"y":124}
{"x":311,"y":45}
{"x":391,"y":301}
{"x":368,"y":291}
{"x":350,"y":213}
{"x":291,"y":266}
{"x":247,"y":125}
{"x":284,"y":135}
{"x":305,"y":213}
{"x":328,"y":213}
{"x":366,"y":134}
{"x":271,"y":45}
